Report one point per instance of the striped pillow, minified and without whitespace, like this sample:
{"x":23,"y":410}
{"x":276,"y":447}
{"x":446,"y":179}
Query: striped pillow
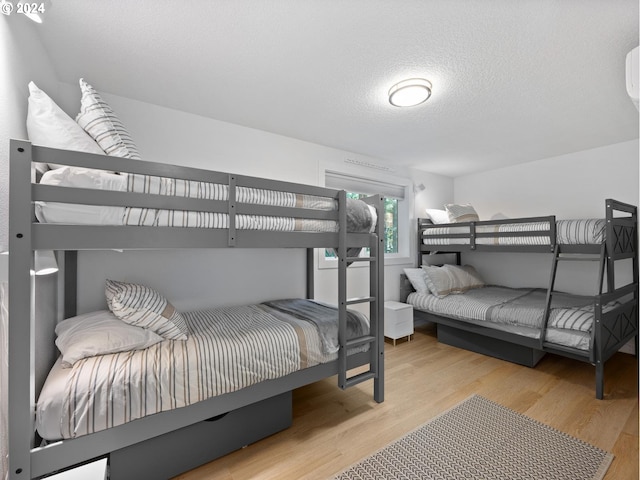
{"x":98,"y":119}
{"x":144,"y":307}
{"x":461,"y":213}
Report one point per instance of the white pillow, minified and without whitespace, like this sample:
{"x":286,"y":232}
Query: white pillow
{"x":78,"y":177}
{"x":144,"y":307}
{"x":449,"y":279}
{"x":99,"y":333}
{"x":48,"y":125}
{"x":99,"y":120}
{"x":438,"y":216}
{"x":418,"y":279}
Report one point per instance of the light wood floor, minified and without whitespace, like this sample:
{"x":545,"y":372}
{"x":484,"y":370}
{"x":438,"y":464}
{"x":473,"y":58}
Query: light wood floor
{"x":333,"y":428}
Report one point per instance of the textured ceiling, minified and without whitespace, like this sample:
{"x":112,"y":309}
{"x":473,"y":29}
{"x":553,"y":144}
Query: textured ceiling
{"x":513,"y":81}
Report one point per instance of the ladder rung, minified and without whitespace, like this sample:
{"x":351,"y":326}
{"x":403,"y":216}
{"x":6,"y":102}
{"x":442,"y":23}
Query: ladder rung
{"x":361,"y":259}
{"x":579,"y":257}
{"x":571,"y":295}
{"x":354,"y":300}
{"x":356,"y":379}
{"x":356,"y":342}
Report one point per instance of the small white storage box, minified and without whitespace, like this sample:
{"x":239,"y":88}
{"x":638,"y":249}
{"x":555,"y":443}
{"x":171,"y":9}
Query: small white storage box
{"x":398,"y":320}
{"x":90,"y":471}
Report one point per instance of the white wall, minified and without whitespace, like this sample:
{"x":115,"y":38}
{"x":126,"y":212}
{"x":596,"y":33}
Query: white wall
{"x":569,"y":186}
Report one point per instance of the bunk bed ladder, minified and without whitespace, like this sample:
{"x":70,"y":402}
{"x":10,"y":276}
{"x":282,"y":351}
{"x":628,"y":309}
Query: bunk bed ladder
{"x":375,"y":289}
{"x":560,"y":255}
{"x":620,"y":243}
{"x":602,"y":257}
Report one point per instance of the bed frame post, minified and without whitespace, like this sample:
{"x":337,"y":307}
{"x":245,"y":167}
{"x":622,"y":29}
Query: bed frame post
{"x":609,"y":242}
{"x":70,"y":279}
{"x":310,"y":274}
{"x":378,"y":383}
{"x":21,"y":393}
{"x":342,"y":289}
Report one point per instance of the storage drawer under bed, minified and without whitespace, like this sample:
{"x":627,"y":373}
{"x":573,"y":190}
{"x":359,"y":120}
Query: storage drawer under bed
{"x":175,"y":452}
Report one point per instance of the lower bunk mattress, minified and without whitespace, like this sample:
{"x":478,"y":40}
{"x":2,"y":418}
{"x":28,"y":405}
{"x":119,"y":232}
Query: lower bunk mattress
{"x":228,"y":348}
{"x":519,"y":311}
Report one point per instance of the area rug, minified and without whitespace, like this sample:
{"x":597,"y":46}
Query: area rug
{"x":480,"y":439}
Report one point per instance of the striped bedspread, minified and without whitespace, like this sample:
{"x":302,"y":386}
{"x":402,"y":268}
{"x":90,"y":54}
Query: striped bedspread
{"x":361,"y":218}
{"x":568,"y":232}
{"x":520,"y":311}
{"x":228,"y":349}
{"x":522,"y":307}
{"x":213,"y":191}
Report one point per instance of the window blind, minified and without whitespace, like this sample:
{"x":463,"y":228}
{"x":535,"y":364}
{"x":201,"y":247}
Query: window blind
{"x":355,"y":184}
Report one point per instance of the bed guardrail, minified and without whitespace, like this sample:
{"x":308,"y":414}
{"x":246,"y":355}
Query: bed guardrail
{"x":59,"y":236}
{"x":469,"y":236}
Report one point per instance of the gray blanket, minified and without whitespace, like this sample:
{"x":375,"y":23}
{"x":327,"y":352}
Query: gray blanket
{"x":527,"y":309}
{"x":325,"y":317}
{"x":359,"y":218}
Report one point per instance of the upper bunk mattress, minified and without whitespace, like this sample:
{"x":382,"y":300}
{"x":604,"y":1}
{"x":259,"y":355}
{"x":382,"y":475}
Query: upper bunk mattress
{"x":227,"y":349}
{"x":361,"y":218}
{"x":568,"y":232}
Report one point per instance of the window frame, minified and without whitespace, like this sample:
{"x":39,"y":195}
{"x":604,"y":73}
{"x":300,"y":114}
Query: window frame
{"x":405,"y":209}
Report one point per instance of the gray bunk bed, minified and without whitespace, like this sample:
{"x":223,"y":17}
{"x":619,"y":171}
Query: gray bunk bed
{"x":614,"y":310}
{"x":169,"y":442}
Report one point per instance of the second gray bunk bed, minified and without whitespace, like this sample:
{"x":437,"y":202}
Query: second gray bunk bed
{"x":612,"y":327}
{"x":136,"y":447}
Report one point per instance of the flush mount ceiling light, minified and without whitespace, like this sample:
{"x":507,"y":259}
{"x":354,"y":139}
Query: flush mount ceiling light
{"x":409,"y":93}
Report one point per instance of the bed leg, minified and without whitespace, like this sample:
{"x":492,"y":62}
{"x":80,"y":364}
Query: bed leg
{"x":378,"y":390}
{"x":599,"y":380}
{"x":378,"y":382}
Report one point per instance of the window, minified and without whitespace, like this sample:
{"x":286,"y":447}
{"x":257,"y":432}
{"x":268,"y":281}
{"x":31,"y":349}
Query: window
{"x":396,"y":211}
{"x":390,"y":226}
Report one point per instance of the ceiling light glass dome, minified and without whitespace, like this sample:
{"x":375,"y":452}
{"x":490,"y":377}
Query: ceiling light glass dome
{"x":409,"y":93}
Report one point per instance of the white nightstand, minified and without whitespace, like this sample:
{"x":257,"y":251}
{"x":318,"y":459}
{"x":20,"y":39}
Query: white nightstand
{"x":398,"y":320}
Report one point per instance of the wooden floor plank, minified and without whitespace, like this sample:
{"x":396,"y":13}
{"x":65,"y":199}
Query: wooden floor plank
{"x":333,"y":429}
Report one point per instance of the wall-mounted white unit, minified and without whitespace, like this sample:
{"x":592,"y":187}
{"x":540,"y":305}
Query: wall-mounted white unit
{"x":633,"y":74}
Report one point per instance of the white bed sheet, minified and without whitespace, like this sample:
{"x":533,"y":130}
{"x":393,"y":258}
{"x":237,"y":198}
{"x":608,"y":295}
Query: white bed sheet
{"x":51,"y":401}
{"x":52,"y":212}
